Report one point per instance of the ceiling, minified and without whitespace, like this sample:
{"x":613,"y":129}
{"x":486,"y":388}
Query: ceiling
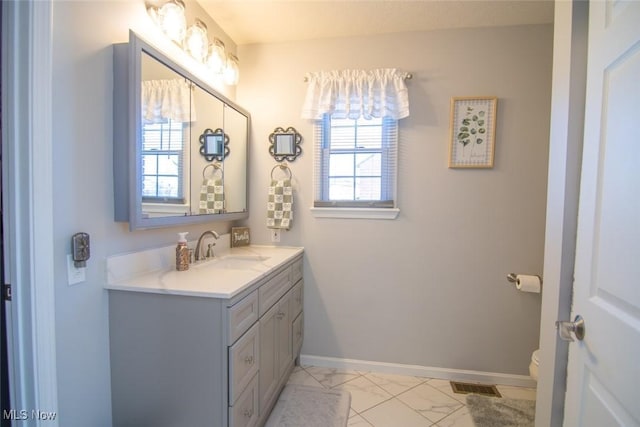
{"x":272,"y":21}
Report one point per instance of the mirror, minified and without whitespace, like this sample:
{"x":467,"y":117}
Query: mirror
{"x":177,"y":127}
{"x":285,"y":144}
{"x":214,"y":144}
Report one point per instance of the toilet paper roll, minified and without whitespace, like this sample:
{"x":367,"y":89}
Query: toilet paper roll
{"x":528,"y":283}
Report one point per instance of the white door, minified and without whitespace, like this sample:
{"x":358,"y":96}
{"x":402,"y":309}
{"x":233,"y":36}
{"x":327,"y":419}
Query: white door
{"x":603,"y":384}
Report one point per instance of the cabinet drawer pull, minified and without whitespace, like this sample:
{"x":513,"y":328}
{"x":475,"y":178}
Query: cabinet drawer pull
{"x":248,"y":360}
{"x":248,"y":413}
{"x":280,"y":315}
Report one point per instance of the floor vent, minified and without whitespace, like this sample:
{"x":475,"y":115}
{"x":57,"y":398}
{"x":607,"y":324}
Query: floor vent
{"x":466,"y":388}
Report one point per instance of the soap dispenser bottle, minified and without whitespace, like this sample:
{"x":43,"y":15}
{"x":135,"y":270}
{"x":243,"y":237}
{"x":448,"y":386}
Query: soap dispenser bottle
{"x":182,"y":252}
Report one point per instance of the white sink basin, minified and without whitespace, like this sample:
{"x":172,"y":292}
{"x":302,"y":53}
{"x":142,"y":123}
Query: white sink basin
{"x":233,"y":262}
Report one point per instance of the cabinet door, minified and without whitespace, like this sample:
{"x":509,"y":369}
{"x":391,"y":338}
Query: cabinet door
{"x":284,"y":347}
{"x":243,"y":363}
{"x":297,"y":334}
{"x":296,"y":299}
{"x":245,"y":412}
{"x":268,"y":373}
{"x":276,"y":350}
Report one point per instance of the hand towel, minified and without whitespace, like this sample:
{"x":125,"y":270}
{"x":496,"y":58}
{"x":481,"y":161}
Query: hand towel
{"x":212,"y":196}
{"x":280,"y":204}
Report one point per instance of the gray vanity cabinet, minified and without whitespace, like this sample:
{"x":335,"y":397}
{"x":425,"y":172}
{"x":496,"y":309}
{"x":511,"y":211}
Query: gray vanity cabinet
{"x":196,"y":361}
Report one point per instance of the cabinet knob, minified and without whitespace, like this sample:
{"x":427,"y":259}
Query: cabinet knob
{"x":248,"y":360}
{"x":248,"y":413}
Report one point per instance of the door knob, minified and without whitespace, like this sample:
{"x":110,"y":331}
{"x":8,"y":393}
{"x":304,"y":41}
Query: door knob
{"x":567,"y":330}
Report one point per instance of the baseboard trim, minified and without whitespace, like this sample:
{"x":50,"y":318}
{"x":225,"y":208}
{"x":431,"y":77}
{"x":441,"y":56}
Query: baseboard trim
{"x":419,"y":371}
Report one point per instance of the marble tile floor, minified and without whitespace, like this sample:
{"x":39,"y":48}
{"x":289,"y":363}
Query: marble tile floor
{"x":385,"y":400}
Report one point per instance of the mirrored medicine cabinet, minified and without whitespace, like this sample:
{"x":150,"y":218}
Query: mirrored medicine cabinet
{"x":180,"y":147}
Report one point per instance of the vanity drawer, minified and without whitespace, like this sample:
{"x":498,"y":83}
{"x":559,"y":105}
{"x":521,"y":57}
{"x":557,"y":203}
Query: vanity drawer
{"x":242,"y":315}
{"x":243,"y":363}
{"x":296,"y":299}
{"x":297,"y":331}
{"x":245,"y":411}
{"x":296,"y":271}
{"x":273,"y":289}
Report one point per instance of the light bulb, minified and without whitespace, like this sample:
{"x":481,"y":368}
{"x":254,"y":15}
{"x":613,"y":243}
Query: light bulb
{"x":196,"y":42}
{"x":217,"y":57}
{"x":171,"y":19}
{"x":231,"y":71}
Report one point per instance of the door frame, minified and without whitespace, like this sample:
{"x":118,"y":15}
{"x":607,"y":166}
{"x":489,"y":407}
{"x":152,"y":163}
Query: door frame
{"x":565,"y":163}
{"x":27,"y":198}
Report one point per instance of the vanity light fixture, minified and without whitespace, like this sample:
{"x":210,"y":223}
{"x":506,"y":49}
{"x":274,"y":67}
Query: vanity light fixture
{"x":171,"y":19}
{"x":194,"y":40}
{"x":196,"y":43}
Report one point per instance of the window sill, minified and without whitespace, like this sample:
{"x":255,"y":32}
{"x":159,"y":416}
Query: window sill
{"x":356,"y":213}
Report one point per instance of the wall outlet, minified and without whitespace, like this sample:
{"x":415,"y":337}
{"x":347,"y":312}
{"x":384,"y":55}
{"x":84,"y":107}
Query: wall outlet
{"x":75,"y":275}
{"x":275,"y":235}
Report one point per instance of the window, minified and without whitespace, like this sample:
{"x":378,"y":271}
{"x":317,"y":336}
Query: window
{"x":162,"y":162}
{"x":356,"y":163}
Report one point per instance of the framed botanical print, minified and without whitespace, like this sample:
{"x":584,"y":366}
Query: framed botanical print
{"x":472,"y":132}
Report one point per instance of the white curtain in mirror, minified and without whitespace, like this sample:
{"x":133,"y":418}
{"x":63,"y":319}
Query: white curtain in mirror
{"x":168,"y":99}
{"x":356,"y":94}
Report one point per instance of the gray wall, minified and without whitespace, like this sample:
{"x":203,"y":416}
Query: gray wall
{"x":82,"y":143}
{"x":427,"y":288}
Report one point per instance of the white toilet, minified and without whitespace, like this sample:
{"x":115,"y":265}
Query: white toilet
{"x":533,"y":366}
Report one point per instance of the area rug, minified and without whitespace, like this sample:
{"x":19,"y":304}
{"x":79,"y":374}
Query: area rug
{"x":501,"y":412}
{"x":306,"y":406}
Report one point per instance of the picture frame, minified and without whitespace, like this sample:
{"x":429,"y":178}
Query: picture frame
{"x":240,"y":236}
{"x":472,"y":131}
{"x":285,"y":144}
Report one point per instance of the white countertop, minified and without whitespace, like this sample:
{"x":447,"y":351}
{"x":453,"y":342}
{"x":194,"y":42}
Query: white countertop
{"x":217,"y":278}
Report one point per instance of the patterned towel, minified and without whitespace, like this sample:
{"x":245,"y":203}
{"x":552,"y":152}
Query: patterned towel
{"x":280,"y":204}
{"x":211,"y":196}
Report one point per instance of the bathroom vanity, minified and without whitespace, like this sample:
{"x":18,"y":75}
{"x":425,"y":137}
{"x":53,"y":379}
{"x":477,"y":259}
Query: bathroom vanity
{"x":212,"y":346}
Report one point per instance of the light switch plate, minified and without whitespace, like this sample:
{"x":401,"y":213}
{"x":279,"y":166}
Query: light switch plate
{"x":275,"y":235}
{"x":75,"y":275}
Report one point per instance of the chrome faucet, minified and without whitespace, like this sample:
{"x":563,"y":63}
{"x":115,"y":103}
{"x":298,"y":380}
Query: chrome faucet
{"x":199,"y":244}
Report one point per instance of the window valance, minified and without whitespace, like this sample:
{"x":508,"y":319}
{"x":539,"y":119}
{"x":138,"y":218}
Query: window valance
{"x":356,"y":93}
{"x":164,"y":100}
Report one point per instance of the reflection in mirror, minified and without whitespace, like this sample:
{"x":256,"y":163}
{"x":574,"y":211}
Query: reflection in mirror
{"x":166,"y":115}
{"x":212,"y":200}
{"x":158,"y":122}
{"x":285,"y":144}
{"x":235,"y":165}
{"x":214,"y":144}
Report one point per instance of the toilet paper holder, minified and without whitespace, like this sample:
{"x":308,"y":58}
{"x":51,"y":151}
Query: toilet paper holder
{"x":513,"y":278}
